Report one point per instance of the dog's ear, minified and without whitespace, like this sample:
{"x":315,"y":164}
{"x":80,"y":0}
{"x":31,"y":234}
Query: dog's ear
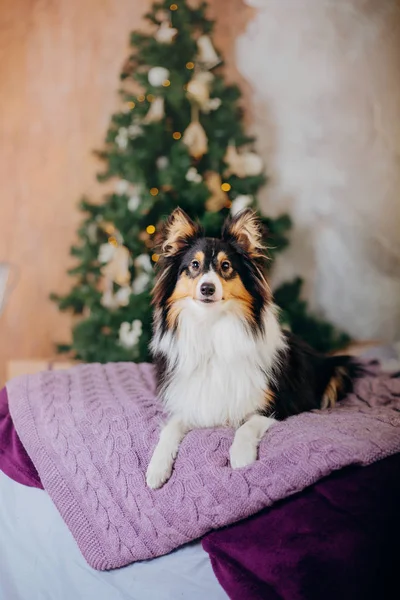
{"x":178,"y":233}
{"x":246,"y":232}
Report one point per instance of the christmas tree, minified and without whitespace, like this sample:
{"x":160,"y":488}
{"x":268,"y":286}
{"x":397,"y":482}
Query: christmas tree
{"x":178,"y":140}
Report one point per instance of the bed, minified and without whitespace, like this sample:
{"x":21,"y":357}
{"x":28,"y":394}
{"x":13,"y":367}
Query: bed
{"x":336,"y":538}
{"x":40,"y":560}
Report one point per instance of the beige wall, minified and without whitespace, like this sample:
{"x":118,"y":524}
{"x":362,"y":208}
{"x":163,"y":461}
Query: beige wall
{"x":59,"y":67}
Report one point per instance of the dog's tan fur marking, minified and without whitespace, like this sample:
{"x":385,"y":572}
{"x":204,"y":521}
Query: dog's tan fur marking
{"x":185,"y":288}
{"x":269,"y":398}
{"x":334,"y":388}
{"x":199,"y":256}
{"x":245,"y":227}
{"x":221,"y":257}
{"x":179,"y":229}
{"x":234,"y":289}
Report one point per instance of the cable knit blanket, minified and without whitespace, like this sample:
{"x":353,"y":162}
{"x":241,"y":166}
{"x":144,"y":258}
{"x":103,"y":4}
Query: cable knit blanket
{"x":90,"y":433}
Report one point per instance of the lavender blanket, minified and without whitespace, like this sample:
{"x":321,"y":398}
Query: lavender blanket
{"x":90,"y":432}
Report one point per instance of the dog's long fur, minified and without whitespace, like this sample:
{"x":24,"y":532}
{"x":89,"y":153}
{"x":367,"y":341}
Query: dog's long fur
{"x":221,"y":355}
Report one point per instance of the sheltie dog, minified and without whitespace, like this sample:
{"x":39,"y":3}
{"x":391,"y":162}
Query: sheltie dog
{"x":221,"y":356}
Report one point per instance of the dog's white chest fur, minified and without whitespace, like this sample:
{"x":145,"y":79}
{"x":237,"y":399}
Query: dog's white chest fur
{"x":218,"y":370}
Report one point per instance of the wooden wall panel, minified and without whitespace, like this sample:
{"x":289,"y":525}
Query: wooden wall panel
{"x":59,"y":67}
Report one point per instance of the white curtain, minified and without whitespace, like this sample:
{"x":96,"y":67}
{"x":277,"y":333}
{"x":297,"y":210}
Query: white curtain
{"x":326,"y":106}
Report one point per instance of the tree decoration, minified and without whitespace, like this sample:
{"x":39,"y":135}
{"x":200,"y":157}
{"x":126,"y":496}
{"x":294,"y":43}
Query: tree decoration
{"x":198,"y":88}
{"x":193,"y":175}
{"x":134,"y":201}
{"x":195,"y":137}
{"x":247,"y":164}
{"x":129,"y":333}
{"x":240,"y":203}
{"x":143,"y":262}
{"x":162,"y":162}
{"x":114,"y":301}
{"x":167,"y":145}
{"x":165,"y":33}
{"x":122,"y":138}
{"x":157,"y":76}
{"x":116,"y":268}
{"x":121,"y":187}
{"x":218,"y":199}
{"x":135,"y":130}
{"x":211,"y":104}
{"x":140,"y":283}
{"x":207,"y":55}
{"x":156,"y":111}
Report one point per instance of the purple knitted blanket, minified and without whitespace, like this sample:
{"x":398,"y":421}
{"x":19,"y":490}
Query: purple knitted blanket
{"x":90,"y":433}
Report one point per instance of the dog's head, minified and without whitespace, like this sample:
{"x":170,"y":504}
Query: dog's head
{"x":209,"y":274}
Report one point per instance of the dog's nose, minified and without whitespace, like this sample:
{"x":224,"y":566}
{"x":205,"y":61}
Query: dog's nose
{"x":207,"y":289}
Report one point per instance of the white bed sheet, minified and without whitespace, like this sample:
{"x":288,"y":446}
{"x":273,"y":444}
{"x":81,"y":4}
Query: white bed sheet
{"x":39,"y":560}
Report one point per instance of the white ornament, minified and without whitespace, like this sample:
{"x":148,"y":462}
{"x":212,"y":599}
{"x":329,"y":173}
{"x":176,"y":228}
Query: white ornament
{"x":134,"y":202}
{"x":195,"y":139}
{"x":157,"y":76}
{"x":140,"y":283}
{"x":106,"y":253}
{"x":116,"y":268}
{"x":198,"y":91}
{"x":253,"y":164}
{"x":155,"y":112}
{"x":108,"y":300}
{"x":121,"y":186}
{"x":247,"y":164}
{"x":91,"y":231}
{"x":122,"y":138}
{"x":207,"y":55}
{"x":211,"y":104}
{"x":135,"y":130}
{"x":165,"y":33}
{"x":193,"y":175}
{"x":143,"y":262}
{"x":240,"y":203}
{"x":198,"y":88}
{"x":205,"y":77}
{"x":162,"y":162}
{"x":123,"y":295}
{"x":129,"y":334}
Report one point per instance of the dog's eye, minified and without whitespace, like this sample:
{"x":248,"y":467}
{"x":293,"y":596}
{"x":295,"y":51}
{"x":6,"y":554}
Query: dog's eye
{"x":195,"y":265}
{"x":225,"y":265}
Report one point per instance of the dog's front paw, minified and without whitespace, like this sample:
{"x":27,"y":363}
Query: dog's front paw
{"x":242,"y":453}
{"x":158,"y":472}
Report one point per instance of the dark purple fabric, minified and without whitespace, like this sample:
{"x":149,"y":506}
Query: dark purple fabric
{"x":337,"y":540}
{"x":14,"y":461}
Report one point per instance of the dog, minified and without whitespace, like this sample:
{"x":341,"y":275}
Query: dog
{"x":221,"y":356}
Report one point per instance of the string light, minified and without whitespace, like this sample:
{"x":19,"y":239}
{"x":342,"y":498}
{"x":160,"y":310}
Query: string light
{"x":166,"y":83}
{"x":177,"y":135}
{"x":154,"y":191}
{"x":225,"y":187}
{"x":113,"y":241}
{"x":150,"y":97}
{"x":155,"y":257}
{"x":173,"y":7}
{"x":131,"y":105}
{"x":141,"y":98}
{"x":190,"y":65}
{"x":150,"y":229}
